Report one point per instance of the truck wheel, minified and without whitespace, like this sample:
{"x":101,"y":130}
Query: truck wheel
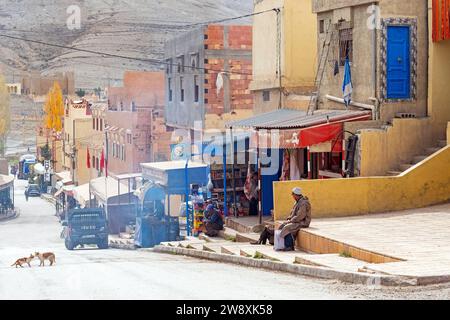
{"x":103,"y":244}
{"x":69,"y":245}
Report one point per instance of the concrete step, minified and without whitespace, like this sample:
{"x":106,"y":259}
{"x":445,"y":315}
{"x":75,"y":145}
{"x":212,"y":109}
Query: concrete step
{"x":405,"y":167}
{"x":214,"y":247}
{"x":174,"y":244}
{"x":248,"y":251}
{"x":442,"y":143}
{"x":228,"y":234}
{"x":393,"y":173}
{"x":430,"y":151}
{"x":195,"y":246}
{"x":231,"y":250}
{"x":268,"y":253}
{"x":206,"y":238}
{"x":418,"y":159}
{"x":184,"y":244}
{"x":335,"y":261}
{"x":247,"y":237}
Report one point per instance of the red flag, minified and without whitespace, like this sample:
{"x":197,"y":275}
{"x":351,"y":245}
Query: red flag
{"x":88,"y":159}
{"x":103,"y":163}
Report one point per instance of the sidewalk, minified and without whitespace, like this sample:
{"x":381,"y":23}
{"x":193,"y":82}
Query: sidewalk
{"x":347,"y":249}
{"x":420,"y":237}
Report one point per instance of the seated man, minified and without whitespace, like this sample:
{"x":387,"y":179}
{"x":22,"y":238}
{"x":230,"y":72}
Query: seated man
{"x":300,"y":218}
{"x":213,"y":221}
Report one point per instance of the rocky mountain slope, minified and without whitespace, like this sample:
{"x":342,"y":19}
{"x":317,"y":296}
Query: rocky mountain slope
{"x":136,"y":28}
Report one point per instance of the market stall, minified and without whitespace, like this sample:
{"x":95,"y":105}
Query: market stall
{"x":178,"y":178}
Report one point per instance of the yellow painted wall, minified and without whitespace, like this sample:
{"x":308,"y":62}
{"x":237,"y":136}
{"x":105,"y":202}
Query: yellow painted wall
{"x":83,"y":137}
{"x":438,"y":77}
{"x":265,"y":45}
{"x":426,"y":184}
{"x":385,"y":149}
{"x":300,"y":44}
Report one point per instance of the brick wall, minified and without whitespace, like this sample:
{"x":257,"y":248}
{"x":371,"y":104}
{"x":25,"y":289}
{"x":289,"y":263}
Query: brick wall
{"x":239,"y":39}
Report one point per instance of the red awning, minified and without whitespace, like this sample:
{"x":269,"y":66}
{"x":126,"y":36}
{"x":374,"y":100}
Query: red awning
{"x":301,"y":138}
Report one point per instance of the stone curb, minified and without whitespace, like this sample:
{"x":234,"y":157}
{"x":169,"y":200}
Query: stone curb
{"x":309,"y":271}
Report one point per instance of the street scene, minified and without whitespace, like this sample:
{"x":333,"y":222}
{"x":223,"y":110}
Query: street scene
{"x":233,"y":150}
{"x":125,"y":274}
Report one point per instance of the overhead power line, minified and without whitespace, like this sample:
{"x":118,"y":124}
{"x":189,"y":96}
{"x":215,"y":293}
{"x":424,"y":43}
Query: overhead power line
{"x":229,"y":19}
{"x":147,"y":60}
{"x":105,"y":54}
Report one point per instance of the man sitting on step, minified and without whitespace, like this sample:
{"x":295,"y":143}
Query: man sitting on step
{"x":213,"y":221}
{"x":300,"y":218}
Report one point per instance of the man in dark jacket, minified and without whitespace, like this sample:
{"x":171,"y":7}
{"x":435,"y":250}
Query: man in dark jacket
{"x":213,"y":221}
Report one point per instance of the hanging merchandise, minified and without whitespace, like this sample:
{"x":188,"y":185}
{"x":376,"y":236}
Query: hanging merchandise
{"x":248,"y":184}
{"x":219,"y":82}
{"x":295,"y":171}
{"x":285,"y":173}
{"x":336,"y":68}
{"x":198,"y":204}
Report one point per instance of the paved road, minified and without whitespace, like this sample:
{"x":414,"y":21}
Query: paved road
{"x":116,"y":274}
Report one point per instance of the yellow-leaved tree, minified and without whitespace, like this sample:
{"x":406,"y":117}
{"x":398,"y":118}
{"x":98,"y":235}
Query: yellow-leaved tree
{"x":5,"y":115}
{"x":53,"y":114}
{"x":54,"y":109}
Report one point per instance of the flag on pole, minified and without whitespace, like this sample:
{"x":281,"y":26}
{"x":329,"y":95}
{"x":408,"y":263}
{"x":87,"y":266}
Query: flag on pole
{"x":347,"y":87}
{"x":88,"y":159}
{"x":102,"y":163}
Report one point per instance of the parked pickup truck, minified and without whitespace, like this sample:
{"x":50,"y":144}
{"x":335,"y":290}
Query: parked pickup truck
{"x":86,"y":226}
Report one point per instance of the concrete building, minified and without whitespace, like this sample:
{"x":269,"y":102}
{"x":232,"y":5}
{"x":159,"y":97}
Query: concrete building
{"x":387,"y":47}
{"x":222,"y":90}
{"x":284,"y":54}
{"x":77,"y":136}
{"x":14,"y":88}
{"x":417,"y":146}
{"x":134,"y":122}
{"x":38,"y":85}
{"x":97,"y":143}
{"x":397,"y":70}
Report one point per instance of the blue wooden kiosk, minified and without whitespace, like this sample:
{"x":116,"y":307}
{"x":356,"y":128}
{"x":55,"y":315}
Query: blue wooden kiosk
{"x":164,"y":179}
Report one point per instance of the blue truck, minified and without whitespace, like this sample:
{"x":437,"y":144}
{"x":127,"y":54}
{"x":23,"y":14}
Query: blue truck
{"x":86,"y":227}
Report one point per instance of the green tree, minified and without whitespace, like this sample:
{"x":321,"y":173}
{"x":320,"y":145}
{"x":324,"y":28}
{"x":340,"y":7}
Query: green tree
{"x":80,"y":93}
{"x":5,"y":115}
{"x":46,"y":152}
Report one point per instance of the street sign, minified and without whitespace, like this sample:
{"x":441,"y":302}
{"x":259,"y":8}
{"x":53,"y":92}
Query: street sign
{"x":47,"y":177}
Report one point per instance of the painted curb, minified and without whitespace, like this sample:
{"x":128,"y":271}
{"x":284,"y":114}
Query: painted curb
{"x":309,"y":271}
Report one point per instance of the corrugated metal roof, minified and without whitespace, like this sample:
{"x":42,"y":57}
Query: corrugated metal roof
{"x":293,"y":119}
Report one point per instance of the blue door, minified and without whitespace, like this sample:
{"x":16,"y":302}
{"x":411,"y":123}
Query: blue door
{"x":398,"y":63}
{"x":267,"y":184}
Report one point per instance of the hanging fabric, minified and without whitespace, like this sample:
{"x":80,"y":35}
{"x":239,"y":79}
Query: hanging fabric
{"x":295,"y":171}
{"x":347,"y":87}
{"x":285,"y":173}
